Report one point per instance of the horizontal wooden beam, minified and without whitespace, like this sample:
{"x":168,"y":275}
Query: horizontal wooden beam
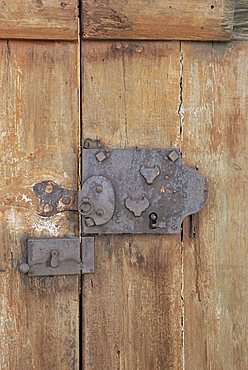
{"x":39,"y":19}
{"x":158,"y":19}
{"x":132,"y":19}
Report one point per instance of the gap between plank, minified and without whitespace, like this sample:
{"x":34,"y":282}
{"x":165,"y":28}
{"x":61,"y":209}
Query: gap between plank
{"x":80,"y":74}
{"x":181,"y":127}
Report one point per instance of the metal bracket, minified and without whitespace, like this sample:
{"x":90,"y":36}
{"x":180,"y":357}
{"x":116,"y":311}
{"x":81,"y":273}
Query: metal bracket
{"x":59,"y":256}
{"x":54,"y":199}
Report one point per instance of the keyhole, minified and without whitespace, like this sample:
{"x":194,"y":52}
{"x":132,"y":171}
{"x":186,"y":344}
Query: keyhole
{"x":153,"y":220}
{"x":54,"y":258}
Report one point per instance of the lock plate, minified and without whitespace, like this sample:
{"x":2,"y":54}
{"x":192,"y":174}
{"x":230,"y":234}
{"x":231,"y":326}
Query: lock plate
{"x":60,"y":256}
{"x":138,"y":191}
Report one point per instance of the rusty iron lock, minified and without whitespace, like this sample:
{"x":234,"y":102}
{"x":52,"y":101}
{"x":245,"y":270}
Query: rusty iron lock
{"x":135,"y":191}
{"x":124,"y":191}
{"x":138,"y":191}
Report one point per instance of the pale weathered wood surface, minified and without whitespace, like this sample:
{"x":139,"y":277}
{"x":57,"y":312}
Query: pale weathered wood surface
{"x":58,"y":20}
{"x":215,"y":138}
{"x":39,"y":19}
{"x":159,"y":19}
{"x":39,"y":141}
{"x":132,"y":304}
{"x":240,"y":29}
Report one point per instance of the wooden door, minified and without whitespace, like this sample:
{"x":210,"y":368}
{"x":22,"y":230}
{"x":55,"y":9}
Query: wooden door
{"x":148,"y":74}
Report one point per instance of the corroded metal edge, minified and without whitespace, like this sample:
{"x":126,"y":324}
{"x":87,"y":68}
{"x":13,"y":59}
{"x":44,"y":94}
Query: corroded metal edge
{"x":54,"y":199}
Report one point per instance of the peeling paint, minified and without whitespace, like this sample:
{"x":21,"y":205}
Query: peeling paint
{"x":48,"y":226}
{"x":26,"y":199}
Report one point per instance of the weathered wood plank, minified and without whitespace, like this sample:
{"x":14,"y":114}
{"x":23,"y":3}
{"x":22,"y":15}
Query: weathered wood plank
{"x":39,"y":140}
{"x":132,"y":304}
{"x":215,"y":133}
{"x":160,"y":19}
{"x":240,"y":29}
{"x":39,"y":19}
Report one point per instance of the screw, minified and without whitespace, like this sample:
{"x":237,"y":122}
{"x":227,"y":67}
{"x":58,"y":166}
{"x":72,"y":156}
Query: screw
{"x":66,"y":199}
{"x":100,"y":212}
{"x":24,"y":268}
{"x":63,"y":4}
{"x":173,"y":156}
{"x":99,"y":189}
{"x":101,"y":156}
{"x":49,"y":188}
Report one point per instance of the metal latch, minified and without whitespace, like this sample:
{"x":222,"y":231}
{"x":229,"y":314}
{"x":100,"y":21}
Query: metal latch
{"x":59,"y":256}
{"x":135,"y":191}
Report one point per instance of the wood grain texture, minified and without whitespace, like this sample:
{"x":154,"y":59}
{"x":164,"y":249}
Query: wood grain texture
{"x":215,"y":132}
{"x":240,"y":29}
{"x":132,"y":304}
{"x":39,"y":19}
{"x":160,"y":19}
{"x":39,"y":140}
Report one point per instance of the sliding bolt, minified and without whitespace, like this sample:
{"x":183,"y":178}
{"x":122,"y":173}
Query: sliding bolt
{"x":54,"y":262}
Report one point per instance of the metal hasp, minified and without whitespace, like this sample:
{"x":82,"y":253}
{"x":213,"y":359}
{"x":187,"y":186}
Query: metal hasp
{"x":59,"y":256}
{"x":138,"y":191}
{"x":54,"y":199}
